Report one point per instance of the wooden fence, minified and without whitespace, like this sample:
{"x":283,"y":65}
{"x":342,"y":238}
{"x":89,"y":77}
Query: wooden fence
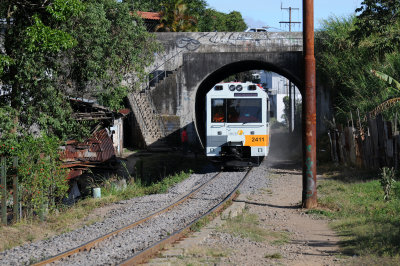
{"x":373,"y":147}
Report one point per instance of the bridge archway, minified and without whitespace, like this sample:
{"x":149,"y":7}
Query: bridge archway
{"x":227,"y":70}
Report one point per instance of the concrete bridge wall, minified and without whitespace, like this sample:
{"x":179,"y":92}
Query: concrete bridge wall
{"x":199,"y":60}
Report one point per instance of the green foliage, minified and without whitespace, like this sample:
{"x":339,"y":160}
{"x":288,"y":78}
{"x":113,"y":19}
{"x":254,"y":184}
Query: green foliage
{"x":40,"y":37}
{"x":388,"y":79}
{"x":113,"y":98}
{"x":377,"y":26}
{"x":115,"y":45}
{"x":62,"y":10}
{"x":195,"y":7}
{"x":175,"y":17}
{"x":81,"y":49}
{"x":344,"y":60}
{"x":42,"y":180}
{"x":213,"y":20}
{"x":366,"y":223}
{"x":5,"y":62}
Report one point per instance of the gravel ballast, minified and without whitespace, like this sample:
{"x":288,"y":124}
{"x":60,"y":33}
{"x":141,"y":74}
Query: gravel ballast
{"x":127,"y":212}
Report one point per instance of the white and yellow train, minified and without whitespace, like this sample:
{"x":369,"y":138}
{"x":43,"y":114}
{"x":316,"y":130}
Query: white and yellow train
{"x":237,"y":124}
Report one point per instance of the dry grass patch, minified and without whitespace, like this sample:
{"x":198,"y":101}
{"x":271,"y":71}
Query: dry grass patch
{"x":199,"y":255}
{"x":273,"y":256}
{"x":247,"y":226}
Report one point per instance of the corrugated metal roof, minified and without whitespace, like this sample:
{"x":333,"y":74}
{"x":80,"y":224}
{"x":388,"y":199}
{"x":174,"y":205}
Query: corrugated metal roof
{"x":89,"y":153}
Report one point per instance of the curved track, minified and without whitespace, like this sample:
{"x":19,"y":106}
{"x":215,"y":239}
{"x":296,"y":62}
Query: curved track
{"x":90,"y":244}
{"x":144,"y":255}
{"x":137,"y":241}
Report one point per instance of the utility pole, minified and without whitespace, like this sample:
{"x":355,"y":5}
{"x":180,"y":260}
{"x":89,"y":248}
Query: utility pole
{"x":292,"y":94}
{"x":309,"y":195}
{"x":290,"y":22}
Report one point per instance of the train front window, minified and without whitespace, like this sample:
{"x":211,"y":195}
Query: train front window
{"x":244,"y":110}
{"x":218,"y":110}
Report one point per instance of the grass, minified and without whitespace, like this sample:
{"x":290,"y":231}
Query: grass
{"x":246,"y":225}
{"x":368,"y":225}
{"x":199,"y":255}
{"x":273,"y":256}
{"x":66,"y":218}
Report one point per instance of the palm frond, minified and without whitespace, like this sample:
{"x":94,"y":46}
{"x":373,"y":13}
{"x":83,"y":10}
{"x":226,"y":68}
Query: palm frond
{"x":384,"y":106}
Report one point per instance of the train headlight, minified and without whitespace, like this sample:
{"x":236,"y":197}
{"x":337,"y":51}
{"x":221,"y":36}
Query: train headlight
{"x":232,"y":87}
{"x":239,"y":87}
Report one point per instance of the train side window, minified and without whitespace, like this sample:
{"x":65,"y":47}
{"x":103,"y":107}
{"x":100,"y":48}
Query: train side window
{"x":218,"y":110}
{"x":268,"y":108}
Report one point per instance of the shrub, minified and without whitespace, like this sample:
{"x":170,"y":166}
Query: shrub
{"x":42,"y":180}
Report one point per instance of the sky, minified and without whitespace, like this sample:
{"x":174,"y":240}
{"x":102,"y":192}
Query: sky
{"x":258,"y":13}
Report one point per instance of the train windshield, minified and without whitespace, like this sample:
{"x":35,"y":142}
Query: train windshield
{"x":244,"y":110}
{"x":236,"y":110}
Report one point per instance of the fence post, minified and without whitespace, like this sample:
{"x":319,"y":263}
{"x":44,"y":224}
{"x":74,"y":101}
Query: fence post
{"x":3,"y":175}
{"x":15,"y":189}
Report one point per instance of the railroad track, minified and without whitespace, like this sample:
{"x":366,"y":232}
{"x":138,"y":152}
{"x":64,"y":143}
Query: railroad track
{"x":144,"y":255}
{"x":69,"y":257}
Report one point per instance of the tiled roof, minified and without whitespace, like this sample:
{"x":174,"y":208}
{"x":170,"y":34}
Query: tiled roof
{"x":149,"y":15}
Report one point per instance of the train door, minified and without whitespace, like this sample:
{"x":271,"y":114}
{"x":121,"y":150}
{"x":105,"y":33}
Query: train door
{"x":216,"y":125}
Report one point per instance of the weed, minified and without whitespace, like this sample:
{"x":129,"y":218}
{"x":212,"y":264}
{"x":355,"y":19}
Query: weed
{"x":33,"y":261}
{"x":320,"y":212}
{"x":30,"y":237}
{"x":244,"y":225}
{"x":281,"y":238}
{"x":273,"y":256}
{"x":199,"y":224}
{"x":366,"y":223}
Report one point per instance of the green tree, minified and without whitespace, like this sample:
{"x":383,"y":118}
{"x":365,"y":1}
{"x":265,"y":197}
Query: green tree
{"x":346,"y":51}
{"x":144,"y":5}
{"x":32,"y":43}
{"x":377,"y":26}
{"x":175,"y":17}
{"x":213,"y":20}
{"x":54,"y":49}
{"x":57,"y":48}
{"x":235,"y":22}
{"x":115,"y":45}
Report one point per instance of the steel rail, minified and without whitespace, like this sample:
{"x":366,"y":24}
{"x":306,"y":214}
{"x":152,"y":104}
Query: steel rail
{"x":149,"y":252}
{"x":90,"y":244}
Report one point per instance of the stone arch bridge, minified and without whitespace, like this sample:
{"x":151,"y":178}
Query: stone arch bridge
{"x":192,"y":63}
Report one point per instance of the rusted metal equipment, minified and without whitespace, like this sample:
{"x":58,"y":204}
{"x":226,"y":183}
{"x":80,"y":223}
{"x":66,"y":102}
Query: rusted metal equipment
{"x":309,"y":195}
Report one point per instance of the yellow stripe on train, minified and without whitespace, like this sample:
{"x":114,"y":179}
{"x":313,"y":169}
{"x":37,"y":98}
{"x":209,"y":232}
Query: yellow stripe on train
{"x":256,"y":140}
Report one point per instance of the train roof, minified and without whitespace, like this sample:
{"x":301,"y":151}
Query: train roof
{"x":237,"y":89}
